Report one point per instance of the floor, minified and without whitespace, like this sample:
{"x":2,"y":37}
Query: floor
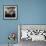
{"x":30,"y":43}
{"x":7,"y":45}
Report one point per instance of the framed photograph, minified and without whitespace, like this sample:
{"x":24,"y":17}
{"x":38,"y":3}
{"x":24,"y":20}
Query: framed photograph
{"x":33,"y":32}
{"x":10,"y":12}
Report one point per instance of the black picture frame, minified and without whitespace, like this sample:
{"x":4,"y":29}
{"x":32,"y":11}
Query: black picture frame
{"x":10,"y":12}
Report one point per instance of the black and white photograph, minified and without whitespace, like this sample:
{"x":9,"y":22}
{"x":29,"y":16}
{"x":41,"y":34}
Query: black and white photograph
{"x":33,"y":32}
{"x":10,"y":12}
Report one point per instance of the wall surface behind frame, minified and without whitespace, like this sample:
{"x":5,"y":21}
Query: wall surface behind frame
{"x":7,"y":26}
{"x":33,"y":11}
{"x":29,"y":12}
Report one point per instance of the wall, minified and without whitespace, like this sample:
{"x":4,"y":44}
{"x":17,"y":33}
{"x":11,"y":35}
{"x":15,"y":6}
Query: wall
{"x":29,"y":12}
{"x":7,"y":26}
{"x":33,"y":12}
